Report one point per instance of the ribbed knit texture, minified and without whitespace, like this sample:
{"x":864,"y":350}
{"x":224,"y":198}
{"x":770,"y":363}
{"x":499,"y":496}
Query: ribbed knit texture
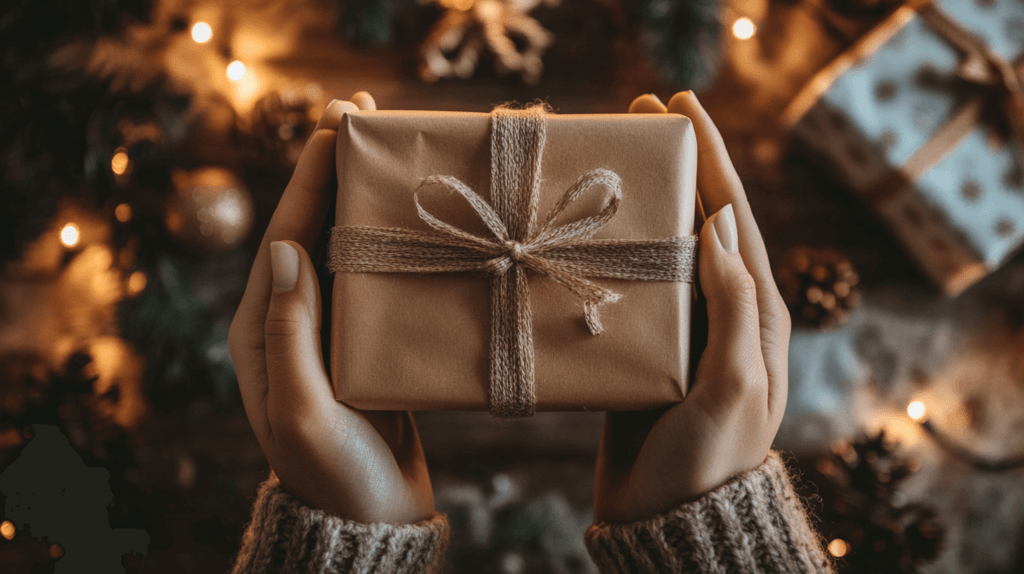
{"x":754,"y":524}
{"x":285,"y":536}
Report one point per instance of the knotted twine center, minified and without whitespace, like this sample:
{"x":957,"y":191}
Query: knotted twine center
{"x":566,"y":253}
{"x":515,"y":249}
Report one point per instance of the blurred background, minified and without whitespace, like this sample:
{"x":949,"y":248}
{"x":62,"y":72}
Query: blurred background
{"x":146,"y":143}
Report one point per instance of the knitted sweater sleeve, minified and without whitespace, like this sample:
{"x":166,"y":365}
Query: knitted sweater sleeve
{"x":287,"y":537}
{"x":755,"y":523}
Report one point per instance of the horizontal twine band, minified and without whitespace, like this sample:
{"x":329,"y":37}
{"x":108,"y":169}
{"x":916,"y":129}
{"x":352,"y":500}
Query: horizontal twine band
{"x":363,"y":249}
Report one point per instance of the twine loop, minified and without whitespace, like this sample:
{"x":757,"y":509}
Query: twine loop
{"x":531,"y":253}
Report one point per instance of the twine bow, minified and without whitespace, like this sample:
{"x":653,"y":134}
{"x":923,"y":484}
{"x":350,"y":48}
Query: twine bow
{"x":981,"y":66}
{"x":567,"y":253}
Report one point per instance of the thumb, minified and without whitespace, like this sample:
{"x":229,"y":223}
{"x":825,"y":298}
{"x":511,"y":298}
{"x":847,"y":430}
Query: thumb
{"x":296,"y":377}
{"x":733,"y":355}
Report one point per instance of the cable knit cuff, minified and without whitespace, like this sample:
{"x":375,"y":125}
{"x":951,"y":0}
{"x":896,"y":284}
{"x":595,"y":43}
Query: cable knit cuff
{"x":755,"y":523}
{"x":285,"y":536}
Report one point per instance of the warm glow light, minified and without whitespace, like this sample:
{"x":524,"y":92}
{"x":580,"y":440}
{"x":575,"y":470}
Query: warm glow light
{"x":917,"y":411}
{"x":56,"y":551}
{"x":136,"y":283}
{"x":202,"y":32}
{"x":120,"y":163}
{"x":744,"y":28}
{"x":838,"y":548}
{"x":69,"y":235}
{"x":7,"y":529}
{"x":236,"y":70}
{"x":123,"y":212}
{"x":488,"y":10}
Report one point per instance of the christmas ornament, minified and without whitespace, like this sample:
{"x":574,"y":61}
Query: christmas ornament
{"x":277,"y":129}
{"x":211,"y":209}
{"x":819,"y":286}
{"x":469,"y":27}
{"x":865,"y":527}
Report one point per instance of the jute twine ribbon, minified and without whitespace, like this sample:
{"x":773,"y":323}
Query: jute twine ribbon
{"x":566,"y":253}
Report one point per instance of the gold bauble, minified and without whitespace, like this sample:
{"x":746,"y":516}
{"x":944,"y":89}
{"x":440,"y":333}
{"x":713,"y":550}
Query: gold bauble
{"x":210,"y":209}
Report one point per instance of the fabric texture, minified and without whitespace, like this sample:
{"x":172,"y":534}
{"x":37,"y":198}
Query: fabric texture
{"x":285,"y":536}
{"x":754,"y":524}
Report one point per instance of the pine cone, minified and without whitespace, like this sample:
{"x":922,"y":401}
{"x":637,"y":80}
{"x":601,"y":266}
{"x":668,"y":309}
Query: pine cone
{"x":869,"y":530}
{"x":819,"y":286}
{"x":277,"y":130}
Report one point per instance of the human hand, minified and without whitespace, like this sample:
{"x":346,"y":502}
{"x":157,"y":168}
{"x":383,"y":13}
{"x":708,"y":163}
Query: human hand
{"x":650,"y":462}
{"x":363,"y":466}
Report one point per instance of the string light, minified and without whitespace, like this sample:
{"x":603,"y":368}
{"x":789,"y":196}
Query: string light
{"x":838,"y":547}
{"x":136,"y":283}
{"x":487,"y":11}
{"x":744,"y":28}
{"x":120,"y":163}
{"x":917,"y":411}
{"x":236,"y":70}
{"x":202,"y":32}
{"x":7,"y":529}
{"x":123,"y":212}
{"x":69,"y":235}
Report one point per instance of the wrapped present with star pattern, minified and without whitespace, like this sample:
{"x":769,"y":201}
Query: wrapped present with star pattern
{"x":924,"y":116}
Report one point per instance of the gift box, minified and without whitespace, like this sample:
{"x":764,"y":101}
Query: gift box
{"x":923,"y":117}
{"x":454,"y":291}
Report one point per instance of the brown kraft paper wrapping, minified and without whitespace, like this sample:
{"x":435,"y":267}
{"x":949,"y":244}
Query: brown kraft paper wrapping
{"x":409,"y":341}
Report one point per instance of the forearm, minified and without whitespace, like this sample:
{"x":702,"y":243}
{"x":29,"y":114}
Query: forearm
{"x":285,"y":536}
{"x":755,"y":523}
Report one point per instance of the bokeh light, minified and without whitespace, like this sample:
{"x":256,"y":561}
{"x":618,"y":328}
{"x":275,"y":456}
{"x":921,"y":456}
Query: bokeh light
{"x":202,"y":32}
{"x":69,"y":235}
{"x":838,"y":547}
{"x":7,"y":529}
{"x":120,"y":163}
{"x":136,"y":283}
{"x":123,"y":212}
{"x":917,"y":411}
{"x":236,"y":71}
{"x":744,"y":28}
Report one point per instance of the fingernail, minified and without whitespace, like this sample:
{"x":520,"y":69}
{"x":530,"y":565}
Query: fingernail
{"x":724,"y":225}
{"x":324,"y":114}
{"x":284,"y":265}
{"x":646,"y":104}
{"x":364,"y":101}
